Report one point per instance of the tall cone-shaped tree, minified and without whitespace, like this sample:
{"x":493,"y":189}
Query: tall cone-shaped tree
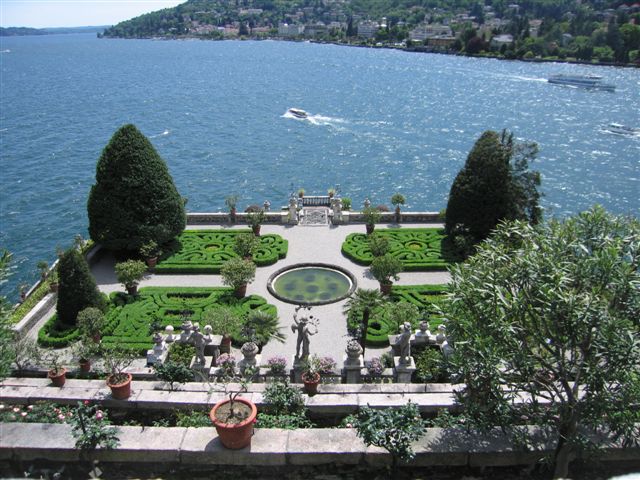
{"x":493,"y":185}
{"x":134,"y":200}
{"x":77,"y":288}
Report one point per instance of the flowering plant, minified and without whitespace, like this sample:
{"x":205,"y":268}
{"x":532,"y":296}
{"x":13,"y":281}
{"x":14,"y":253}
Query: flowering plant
{"x":277,"y":365}
{"x":326,"y":365}
{"x":227,"y":363}
{"x":375,"y":367}
{"x":91,"y":428}
{"x":36,"y":413}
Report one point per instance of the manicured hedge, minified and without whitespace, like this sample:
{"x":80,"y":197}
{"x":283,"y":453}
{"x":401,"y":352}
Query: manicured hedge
{"x":428,"y":299}
{"x":204,"y":251}
{"x":129,"y":319}
{"x":419,"y":249}
{"x":54,"y":334}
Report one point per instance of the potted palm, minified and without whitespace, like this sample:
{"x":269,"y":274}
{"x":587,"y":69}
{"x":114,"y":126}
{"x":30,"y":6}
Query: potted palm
{"x":256,"y":219}
{"x":311,"y":374}
{"x":244,"y":245}
{"x":234,"y":417}
{"x":57,"y":373}
{"x":231,"y":201}
{"x":397,"y":199}
{"x":43,"y":266}
{"x":384,"y":269}
{"x":331,"y":192}
{"x":130,"y":273}
{"x":237,"y":273}
{"x":300,"y":192}
{"x":116,"y":360}
{"x":371,"y":217}
{"x":150,"y":252}
{"x":90,"y":322}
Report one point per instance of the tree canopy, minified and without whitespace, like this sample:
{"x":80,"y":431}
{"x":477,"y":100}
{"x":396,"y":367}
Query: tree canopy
{"x":77,"y":288}
{"x":494,"y":184}
{"x":134,"y":200}
{"x":552,"y":312}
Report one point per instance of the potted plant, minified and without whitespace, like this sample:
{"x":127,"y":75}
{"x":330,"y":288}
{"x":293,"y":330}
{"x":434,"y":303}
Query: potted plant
{"x":130,"y":273}
{"x":256,"y":219}
{"x":234,"y":417}
{"x":237,"y":273}
{"x":57,"y":373}
{"x":116,"y":360}
{"x":245,"y":244}
{"x":346,"y":204}
{"x":300,"y":192}
{"x":384,"y":269}
{"x":311,"y":374}
{"x":85,"y":350}
{"x":331,"y":192}
{"x":277,"y":365}
{"x":231,"y":201}
{"x":90,"y":322}
{"x":223,"y":321}
{"x":43,"y":266}
{"x":371,"y":217}
{"x":397,"y":199}
{"x":150,"y":252}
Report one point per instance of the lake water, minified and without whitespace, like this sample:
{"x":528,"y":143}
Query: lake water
{"x":382,"y":121}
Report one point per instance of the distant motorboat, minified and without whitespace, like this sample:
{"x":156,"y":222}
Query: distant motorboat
{"x":298,"y":113}
{"x":582,"y":81}
{"x":620,"y":129}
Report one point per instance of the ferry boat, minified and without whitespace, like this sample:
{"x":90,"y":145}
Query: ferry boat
{"x":620,"y":129}
{"x":296,"y":112}
{"x":582,"y":81}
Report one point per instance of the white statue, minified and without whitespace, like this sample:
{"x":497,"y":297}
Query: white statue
{"x":404,"y":343}
{"x":303,"y":326}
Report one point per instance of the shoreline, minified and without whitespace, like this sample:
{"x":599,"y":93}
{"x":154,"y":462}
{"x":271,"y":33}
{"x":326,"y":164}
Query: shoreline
{"x":422,"y":49}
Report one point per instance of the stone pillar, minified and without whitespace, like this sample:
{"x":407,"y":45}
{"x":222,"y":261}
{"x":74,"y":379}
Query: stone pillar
{"x":293,"y":211}
{"x":297,"y":369}
{"x":250,"y":356}
{"x":353,"y":362}
{"x":403,"y":371}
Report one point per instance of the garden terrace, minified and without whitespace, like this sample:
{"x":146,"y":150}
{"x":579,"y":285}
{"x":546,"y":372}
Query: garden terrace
{"x":419,"y":249}
{"x":204,"y":251}
{"x":130,"y":319}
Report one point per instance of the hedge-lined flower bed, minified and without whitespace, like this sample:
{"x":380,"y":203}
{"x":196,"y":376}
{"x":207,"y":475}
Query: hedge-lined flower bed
{"x":383,"y":321}
{"x":131,"y":320}
{"x":204,"y":251}
{"x":419,"y":249}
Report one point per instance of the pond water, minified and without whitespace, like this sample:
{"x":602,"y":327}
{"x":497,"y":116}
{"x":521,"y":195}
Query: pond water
{"x":311,"y":285}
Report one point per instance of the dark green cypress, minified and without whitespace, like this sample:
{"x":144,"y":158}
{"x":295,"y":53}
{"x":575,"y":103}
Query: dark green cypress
{"x":134,"y":199}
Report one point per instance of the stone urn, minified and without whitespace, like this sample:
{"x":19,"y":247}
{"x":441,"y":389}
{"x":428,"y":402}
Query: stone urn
{"x":249,"y":351}
{"x":353,"y":351}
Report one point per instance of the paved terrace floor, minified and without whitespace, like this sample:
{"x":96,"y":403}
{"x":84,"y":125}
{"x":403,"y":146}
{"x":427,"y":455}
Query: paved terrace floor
{"x":317,"y":244}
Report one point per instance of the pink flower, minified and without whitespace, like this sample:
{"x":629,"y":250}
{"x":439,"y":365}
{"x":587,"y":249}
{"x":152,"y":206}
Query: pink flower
{"x":16,"y":409}
{"x":99,"y":415}
{"x":349,"y":425}
{"x":24,"y":414}
{"x":1,"y":406}
{"x":86,"y":402}
{"x":30,"y":407}
{"x":61,"y":417}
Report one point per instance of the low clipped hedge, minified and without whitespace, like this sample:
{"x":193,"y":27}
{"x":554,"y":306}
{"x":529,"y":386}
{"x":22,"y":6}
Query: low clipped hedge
{"x":204,"y":251}
{"x":130,"y":318}
{"x":419,"y":249}
{"x":427,"y":298}
{"x":54,"y":335}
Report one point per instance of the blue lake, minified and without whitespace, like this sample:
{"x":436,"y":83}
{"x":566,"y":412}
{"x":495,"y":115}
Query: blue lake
{"x":382,"y":121}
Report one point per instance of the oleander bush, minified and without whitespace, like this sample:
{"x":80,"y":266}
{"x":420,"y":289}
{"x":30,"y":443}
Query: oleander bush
{"x":419,"y":249}
{"x":129,"y":319}
{"x":204,"y":251}
{"x":411,"y":303}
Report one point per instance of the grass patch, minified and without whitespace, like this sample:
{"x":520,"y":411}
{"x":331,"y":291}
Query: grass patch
{"x":30,"y":302}
{"x":427,"y":298}
{"x":419,"y":249}
{"x":204,"y":251}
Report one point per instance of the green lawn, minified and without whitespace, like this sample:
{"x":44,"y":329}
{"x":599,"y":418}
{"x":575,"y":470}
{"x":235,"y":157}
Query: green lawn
{"x":204,"y":251}
{"x":419,"y":249}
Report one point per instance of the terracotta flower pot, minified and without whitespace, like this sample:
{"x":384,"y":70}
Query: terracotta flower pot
{"x":151,"y":262}
{"x":385,"y":288}
{"x":235,"y":435}
{"x":225,"y":345}
{"x":370,"y":228}
{"x":311,"y":383}
{"x":240,"y":291}
{"x":85,"y":366}
{"x":256,"y":230}
{"x":132,"y":290}
{"x":120,"y":391}
{"x":58,"y":377}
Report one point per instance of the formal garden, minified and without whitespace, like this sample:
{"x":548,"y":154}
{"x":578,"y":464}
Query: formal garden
{"x":532,"y":346}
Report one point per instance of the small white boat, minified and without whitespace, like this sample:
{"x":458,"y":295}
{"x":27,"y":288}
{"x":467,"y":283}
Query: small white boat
{"x":620,"y":129}
{"x":298,"y":113}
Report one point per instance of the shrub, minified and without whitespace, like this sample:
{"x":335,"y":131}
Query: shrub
{"x":134,"y":199}
{"x":237,"y":272}
{"x":192,"y":419}
{"x":284,"y":408}
{"x":430,"y":365}
{"x":77,"y":288}
{"x":91,"y":428}
{"x":385,"y":268}
{"x":346,"y":203}
{"x":90,"y":321}
{"x":378,"y":244}
{"x":173,"y":372}
{"x":245,"y":244}
{"x":277,"y":365}
{"x":181,"y":353}
{"x":130,"y":273}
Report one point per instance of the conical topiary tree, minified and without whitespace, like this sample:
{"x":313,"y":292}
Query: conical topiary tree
{"x":77,"y":288}
{"x":134,"y":200}
{"x":493,"y":185}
